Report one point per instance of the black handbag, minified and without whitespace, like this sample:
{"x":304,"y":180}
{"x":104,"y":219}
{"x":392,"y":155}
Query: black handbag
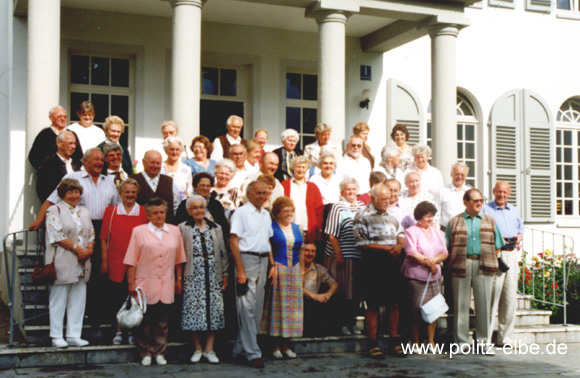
{"x":502,"y":265}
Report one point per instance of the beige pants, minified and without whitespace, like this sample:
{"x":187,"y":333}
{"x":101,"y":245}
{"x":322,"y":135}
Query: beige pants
{"x":504,"y":299}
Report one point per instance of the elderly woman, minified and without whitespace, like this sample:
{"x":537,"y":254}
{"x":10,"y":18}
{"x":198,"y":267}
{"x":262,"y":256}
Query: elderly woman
{"x":153,"y":260}
{"x":327,"y":181}
{"x":204,"y":278}
{"x":229,"y":197}
{"x":390,"y":164}
{"x":400,"y":135}
{"x":286,"y":153}
{"x":118,"y":223}
{"x":69,"y":243}
{"x":425,"y":250}
{"x":341,"y":256}
{"x":362,"y":130}
{"x":431,"y":177}
{"x":308,"y":206}
{"x":312,"y":151}
{"x":415,"y":193}
{"x":282,"y":316}
{"x":202,"y":149}
{"x":174,"y":168}
{"x":115,"y":126}
{"x":113,"y":157}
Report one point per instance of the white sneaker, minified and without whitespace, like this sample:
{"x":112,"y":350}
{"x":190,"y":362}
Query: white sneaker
{"x":59,"y":343}
{"x":131,"y":339}
{"x":77,"y":342}
{"x":196,"y":357}
{"x":277,"y":354}
{"x":211,"y":357}
{"x":146,"y":361}
{"x":160,"y":360}
{"x":290,"y":353}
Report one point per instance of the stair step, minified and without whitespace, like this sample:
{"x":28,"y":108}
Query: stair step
{"x":543,"y":334}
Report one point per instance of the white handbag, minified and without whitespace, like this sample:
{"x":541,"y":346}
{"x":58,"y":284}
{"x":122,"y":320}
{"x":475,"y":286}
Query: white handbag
{"x":436,"y":307}
{"x":131,"y":313}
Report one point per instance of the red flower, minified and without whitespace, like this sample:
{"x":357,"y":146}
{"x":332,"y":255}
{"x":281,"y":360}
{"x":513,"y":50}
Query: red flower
{"x":554,"y":285}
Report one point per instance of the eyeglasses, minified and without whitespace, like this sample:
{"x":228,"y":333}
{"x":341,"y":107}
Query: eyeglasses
{"x":477,"y":200}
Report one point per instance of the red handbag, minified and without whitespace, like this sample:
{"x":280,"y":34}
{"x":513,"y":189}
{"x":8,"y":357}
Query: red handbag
{"x":45,"y":275}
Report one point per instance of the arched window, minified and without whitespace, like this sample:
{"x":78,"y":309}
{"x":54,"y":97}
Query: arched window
{"x":567,"y":158}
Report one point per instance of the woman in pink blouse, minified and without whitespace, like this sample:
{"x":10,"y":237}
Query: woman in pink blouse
{"x":154,"y":259}
{"x":425,"y":250}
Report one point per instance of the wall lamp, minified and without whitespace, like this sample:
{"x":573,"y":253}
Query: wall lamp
{"x":366,"y":96}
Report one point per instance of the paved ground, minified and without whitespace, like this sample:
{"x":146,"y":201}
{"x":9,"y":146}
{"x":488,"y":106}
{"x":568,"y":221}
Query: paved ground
{"x":345,"y":365}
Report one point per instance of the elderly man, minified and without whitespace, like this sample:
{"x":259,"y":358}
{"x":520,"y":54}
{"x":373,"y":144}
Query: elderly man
{"x":353,"y":164}
{"x":56,"y":165}
{"x":238,"y":154}
{"x":389,"y":164}
{"x":45,"y":142}
{"x":269,"y":167}
{"x":250,"y":244}
{"x":221,"y":144}
{"x":286,"y":153}
{"x":505,"y":287}
{"x":399,"y":209}
{"x":319,"y":287}
{"x":473,"y":241}
{"x":380,"y":238}
{"x":450,"y":197}
{"x":155,"y":184}
{"x":113,"y":159}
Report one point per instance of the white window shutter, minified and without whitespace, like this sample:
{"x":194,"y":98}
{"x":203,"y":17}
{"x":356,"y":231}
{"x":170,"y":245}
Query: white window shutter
{"x":502,"y":3}
{"x":506,"y":144}
{"x":404,"y":106}
{"x":539,"y":159}
{"x":539,"y":5}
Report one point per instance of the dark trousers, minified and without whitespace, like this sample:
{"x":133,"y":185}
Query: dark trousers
{"x":98,"y":304}
{"x":151,"y":335}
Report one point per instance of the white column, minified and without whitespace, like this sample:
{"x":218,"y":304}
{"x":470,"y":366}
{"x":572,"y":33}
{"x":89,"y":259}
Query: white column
{"x":186,"y":66}
{"x":43,"y":65}
{"x":331,"y":71}
{"x":443,"y":97}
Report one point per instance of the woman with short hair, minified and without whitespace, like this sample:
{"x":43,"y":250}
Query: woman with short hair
{"x":114,"y":127}
{"x":312,"y":151}
{"x":431,"y":177}
{"x":174,"y":168}
{"x":327,"y":181}
{"x":201,"y":162}
{"x":230,"y":198}
{"x":414,"y":194}
{"x":362,"y":130}
{"x":400,"y":135}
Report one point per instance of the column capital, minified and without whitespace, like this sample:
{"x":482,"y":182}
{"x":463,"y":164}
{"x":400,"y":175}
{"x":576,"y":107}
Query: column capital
{"x":196,"y":3}
{"x":438,"y":30}
{"x":323,"y":16}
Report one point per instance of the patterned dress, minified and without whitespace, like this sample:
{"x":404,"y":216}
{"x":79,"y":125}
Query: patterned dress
{"x":203,"y":305}
{"x":283,"y":312}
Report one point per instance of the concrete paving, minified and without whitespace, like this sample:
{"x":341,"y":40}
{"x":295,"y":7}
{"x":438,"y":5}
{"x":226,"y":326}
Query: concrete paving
{"x":540,"y":362}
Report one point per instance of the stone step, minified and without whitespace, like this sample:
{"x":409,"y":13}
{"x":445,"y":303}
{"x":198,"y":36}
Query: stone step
{"x":524,"y":301}
{"x":530,"y":317}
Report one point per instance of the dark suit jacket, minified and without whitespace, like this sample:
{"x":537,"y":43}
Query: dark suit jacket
{"x":164,"y":190}
{"x":49,"y":174}
{"x":282,"y":174}
{"x":45,"y":145}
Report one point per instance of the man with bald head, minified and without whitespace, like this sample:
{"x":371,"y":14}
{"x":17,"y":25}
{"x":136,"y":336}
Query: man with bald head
{"x":269,"y":166}
{"x":155,"y":184}
{"x":45,"y":142}
{"x":505,"y":286}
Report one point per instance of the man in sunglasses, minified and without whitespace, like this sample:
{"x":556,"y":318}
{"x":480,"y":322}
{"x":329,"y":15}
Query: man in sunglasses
{"x":473,"y":241}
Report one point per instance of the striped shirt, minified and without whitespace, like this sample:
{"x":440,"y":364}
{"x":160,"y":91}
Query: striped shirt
{"x":95,"y":197}
{"x":339,"y":225}
{"x":372,"y":227}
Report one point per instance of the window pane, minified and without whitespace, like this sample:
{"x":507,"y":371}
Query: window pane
{"x":559,"y":189}
{"x":101,"y":103}
{"x":307,"y":140}
{"x":568,"y":190}
{"x":469,"y":150}
{"x":558,"y":207}
{"x":293,"y":118}
{"x":209,"y":81}
{"x":469,"y":132}
{"x":558,"y":154}
{"x":558,"y":137}
{"x":120,"y":72}
{"x":308,"y":121}
{"x":559,"y":172}
{"x":563,"y":4}
{"x":120,"y":107}
{"x":75,"y":101}
{"x":568,"y":138}
{"x":310,"y":87}
{"x":568,"y":208}
{"x":567,"y":155}
{"x":459,"y":131}
{"x":293,"y":87}
{"x":228,"y":82}
{"x":99,"y":71}
{"x":568,"y":172}
{"x":460,"y":150}
{"x":471,"y":165}
{"x":79,"y":69}
{"x":429,"y":130}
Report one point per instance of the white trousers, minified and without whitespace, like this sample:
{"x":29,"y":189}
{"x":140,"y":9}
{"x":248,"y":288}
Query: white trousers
{"x":69,"y":299}
{"x":462,"y":298}
{"x":504,"y":299}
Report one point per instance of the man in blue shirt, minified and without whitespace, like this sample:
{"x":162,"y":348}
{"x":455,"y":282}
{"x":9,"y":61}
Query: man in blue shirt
{"x":504,"y":297}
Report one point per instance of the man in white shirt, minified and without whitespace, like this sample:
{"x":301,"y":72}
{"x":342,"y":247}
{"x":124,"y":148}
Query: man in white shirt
{"x":221,"y":144}
{"x":450,"y":196}
{"x":269,"y":166}
{"x":238,"y":154}
{"x":250,"y":244}
{"x":90,"y":135}
{"x":353,"y":164}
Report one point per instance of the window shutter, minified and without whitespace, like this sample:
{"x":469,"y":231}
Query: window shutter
{"x":502,"y":3}
{"x":403,"y":106}
{"x":506,"y":143}
{"x":539,"y":160}
{"x":539,"y":5}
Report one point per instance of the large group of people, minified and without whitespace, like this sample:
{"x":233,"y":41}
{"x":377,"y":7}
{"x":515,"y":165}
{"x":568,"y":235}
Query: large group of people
{"x":291,"y":243}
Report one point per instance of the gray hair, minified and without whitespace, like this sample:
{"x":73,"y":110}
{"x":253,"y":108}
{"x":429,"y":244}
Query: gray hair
{"x":108,"y":147}
{"x":287,"y":134}
{"x":131,"y":181}
{"x":88,"y":153}
{"x":325,"y":152}
{"x":232,"y":117}
{"x":321,"y":128}
{"x":195,"y":198}
{"x":412,"y":173}
{"x":228,"y":163}
{"x":461,"y":165}
{"x":251,"y":186}
{"x":60,"y":136}
{"x":172,"y":139}
{"x":346,"y":181}
{"x":421,"y":149}
{"x":299,"y":160}
{"x":389,"y":150}
{"x":169,"y":123}
{"x":237,"y":144}
{"x":375,"y":190}
{"x":51,"y":111}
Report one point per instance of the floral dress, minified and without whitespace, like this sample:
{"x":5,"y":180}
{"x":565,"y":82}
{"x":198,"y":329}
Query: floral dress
{"x":203,"y":305}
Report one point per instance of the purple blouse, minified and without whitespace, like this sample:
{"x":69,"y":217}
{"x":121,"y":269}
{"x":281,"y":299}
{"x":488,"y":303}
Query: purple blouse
{"x":429,"y":245}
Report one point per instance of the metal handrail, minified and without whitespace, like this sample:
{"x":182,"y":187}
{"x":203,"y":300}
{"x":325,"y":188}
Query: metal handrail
{"x":11,"y":271}
{"x":562,"y":246}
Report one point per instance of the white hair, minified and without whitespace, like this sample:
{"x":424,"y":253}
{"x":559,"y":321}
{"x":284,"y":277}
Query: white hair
{"x":389,"y":150}
{"x":421,"y":149}
{"x":195,"y":198}
{"x":172,"y":139}
{"x":287,"y":134}
{"x":228,"y":163}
